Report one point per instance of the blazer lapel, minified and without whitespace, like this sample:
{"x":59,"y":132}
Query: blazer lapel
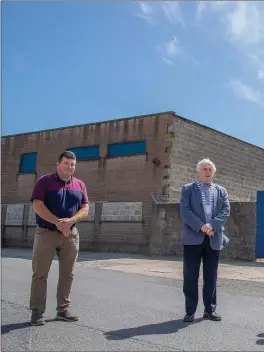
{"x":198,"y":196}
{"x":215,"y":199}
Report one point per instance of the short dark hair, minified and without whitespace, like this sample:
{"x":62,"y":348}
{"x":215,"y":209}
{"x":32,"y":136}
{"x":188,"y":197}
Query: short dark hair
{"x":67,"y":154}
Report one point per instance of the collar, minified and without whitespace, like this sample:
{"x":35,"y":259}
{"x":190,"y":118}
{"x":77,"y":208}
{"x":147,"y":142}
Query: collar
{"x":58,"y":178}
{"x":205,"y":184}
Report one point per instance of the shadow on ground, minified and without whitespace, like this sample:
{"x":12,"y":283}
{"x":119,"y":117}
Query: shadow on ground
{"x":21,"y":253}
{"x":5,"y":329}
{"x":260,"y":341}
{"x":167,"y":327}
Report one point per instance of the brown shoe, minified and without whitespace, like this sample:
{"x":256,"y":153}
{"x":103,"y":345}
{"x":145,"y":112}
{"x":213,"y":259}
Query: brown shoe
{"x":37,"y":318}
{"x":66,"y":316}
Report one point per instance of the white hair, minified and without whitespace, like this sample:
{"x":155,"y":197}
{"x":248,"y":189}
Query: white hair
{"x":205,"y":161}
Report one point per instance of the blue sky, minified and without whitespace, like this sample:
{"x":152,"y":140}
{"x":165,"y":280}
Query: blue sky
{"x":68,"y":63}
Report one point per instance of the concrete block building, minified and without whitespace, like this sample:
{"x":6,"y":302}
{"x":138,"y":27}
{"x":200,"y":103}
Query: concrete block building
{"x":125,"y":164}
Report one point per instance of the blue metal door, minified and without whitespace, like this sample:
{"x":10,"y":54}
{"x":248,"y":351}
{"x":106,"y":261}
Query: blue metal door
{"x":260,"y":225}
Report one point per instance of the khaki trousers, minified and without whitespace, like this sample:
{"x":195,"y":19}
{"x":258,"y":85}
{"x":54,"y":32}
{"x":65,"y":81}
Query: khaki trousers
{"x":46,"y":244}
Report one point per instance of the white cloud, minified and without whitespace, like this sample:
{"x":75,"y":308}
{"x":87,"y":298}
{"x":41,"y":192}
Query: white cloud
{"x":170,"y":50}
{"x":244,"y":23}
{"x":146,"y":12}
{"x":172,"y":11}
{"x":214,"y":6}
{"x":242,"y":19}
{"x":257,"y":63}
{"x":261,"y":74}
{"x":243,"y":28}
{"x":246,"y":92}
{"x":201,"y":7}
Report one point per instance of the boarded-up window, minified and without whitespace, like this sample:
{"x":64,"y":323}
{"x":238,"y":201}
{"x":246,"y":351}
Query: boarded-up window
{"x":127,"y":149}
{"x":86,"y":153}
{"x":28,"y":163}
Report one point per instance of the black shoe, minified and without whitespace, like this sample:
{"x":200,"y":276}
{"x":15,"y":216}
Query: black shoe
{"x":212,"y":316}
{"x":66,"y":316}
{"x":37,"y":318}
{"x":188,"y":318}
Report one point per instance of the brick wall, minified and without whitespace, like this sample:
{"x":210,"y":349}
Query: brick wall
{"x":106,"y":178}
{"x":126,"y":179}
{"x":240,"y":228}
{"x":240,"y":166}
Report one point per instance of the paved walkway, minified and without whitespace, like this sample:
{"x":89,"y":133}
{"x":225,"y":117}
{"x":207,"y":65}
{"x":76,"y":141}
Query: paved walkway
{"x":171,"y":268}
{"x":168,"y":267}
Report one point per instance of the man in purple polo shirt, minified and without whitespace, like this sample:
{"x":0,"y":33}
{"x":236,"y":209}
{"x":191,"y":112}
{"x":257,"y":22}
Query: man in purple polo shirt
{"x":60,"y":201}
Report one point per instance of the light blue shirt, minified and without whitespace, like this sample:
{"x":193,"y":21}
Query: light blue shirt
{"x":207,"y":194}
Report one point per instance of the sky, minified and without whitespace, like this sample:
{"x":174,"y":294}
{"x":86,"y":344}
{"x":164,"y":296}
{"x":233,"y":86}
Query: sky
{"x":69,"y":63}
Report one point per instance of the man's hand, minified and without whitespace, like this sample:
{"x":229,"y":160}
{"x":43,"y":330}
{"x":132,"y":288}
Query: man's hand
{"x":207,"y":228}
{"x":64,"y":226}
{"x":210,"y":233}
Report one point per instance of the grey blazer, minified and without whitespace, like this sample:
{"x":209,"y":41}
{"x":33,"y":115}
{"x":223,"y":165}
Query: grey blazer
{"x":192,"y":213}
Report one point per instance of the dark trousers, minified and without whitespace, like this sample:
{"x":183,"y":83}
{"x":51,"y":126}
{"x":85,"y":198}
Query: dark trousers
{"x":192,"y":256}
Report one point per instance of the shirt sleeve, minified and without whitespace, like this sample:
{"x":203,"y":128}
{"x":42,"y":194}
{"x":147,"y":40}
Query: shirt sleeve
{"x":39,"y":192}
{"x":85,"y":196}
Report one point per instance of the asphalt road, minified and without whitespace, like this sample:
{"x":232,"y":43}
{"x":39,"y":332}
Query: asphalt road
{"x":129,"y":312}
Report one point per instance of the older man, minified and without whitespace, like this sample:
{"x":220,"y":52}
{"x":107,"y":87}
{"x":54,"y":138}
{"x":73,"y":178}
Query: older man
{"x":205,"y":209}
{"x":60,"y":201}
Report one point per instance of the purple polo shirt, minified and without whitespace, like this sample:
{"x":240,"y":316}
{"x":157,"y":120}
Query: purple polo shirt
{"x":63,"y":199}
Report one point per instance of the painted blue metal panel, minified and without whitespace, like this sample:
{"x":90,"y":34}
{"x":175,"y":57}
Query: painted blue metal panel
{"x":260,"y":225}
{"x":86,"y":153}
{"x":28,"y":163}
{"x":127,"y":149}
